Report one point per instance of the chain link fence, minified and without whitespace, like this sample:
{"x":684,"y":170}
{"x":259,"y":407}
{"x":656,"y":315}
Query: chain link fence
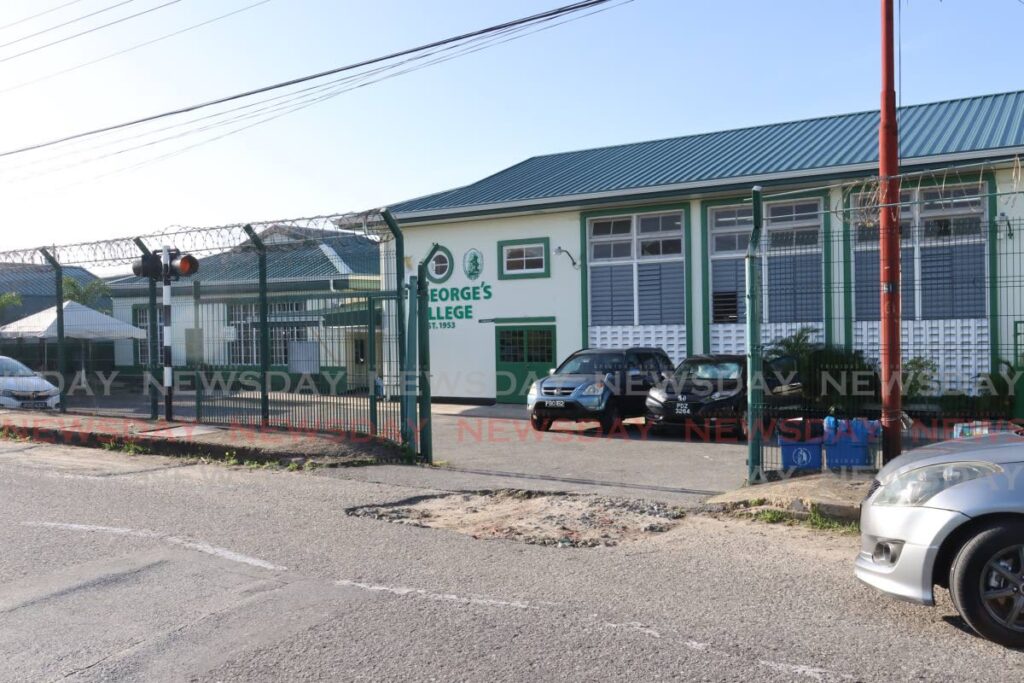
{"x":292,"y":324}
{"x":816,"y":319}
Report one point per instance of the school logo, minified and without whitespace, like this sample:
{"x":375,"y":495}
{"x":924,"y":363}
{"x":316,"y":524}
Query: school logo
{"x":802,"y":457}
{"x":473,"y":263}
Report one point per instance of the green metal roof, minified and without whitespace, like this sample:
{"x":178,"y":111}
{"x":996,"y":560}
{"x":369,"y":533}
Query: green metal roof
{"x":975,"y":127}
{"x":308,"y":259}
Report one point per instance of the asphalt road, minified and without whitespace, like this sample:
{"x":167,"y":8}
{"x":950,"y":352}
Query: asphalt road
{"x":116,"y":567}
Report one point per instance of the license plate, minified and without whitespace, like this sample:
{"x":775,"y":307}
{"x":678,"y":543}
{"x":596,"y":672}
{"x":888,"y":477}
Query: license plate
{"x":554,"y":404}
{"x":33,"y":404}
{"x":682,"y":409}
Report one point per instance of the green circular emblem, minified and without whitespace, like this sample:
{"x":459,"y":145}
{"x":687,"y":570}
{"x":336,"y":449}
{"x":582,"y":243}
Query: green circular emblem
{"x":473,"y":263}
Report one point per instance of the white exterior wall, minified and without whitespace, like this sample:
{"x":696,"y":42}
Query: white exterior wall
{"x":462,"y":359}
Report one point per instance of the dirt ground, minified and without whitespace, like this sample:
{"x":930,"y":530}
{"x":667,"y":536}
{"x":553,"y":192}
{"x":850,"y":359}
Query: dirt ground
{"x":556,"y":519}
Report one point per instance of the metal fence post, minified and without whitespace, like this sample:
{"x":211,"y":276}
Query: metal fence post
{"x":403,"y":408}
{"x":423,"y":321}
{"x":59,"y":275}
{"x":198,"y":365}
{"x":755,"y":375}
{"x":151,"y":341}
{"x":264,"y":307}
{"x":409,"y":380}
{"x":371,"y":360}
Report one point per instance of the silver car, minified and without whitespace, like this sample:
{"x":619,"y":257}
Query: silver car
{"x":952,"y":515}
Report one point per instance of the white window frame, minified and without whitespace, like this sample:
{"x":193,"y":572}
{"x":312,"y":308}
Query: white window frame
{"x":634,"y":237}
{"x":506,"y":248}
{"x":915,"y":241}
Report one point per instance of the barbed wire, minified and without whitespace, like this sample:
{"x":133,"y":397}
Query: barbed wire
{"x":277,"y":235}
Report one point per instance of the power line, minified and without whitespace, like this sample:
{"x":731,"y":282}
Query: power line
{"x":542,"y":16}
{"x":132,"y":48}
{"x":88,"y":31}
{"x":39,"y":14}
{"x":298,"y":100}
{"x":66,"y":23}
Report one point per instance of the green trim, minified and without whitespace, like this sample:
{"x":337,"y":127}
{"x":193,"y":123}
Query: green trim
{"x":451,"y":265}
{"x":587,"y":216}
{"x":527,"y":321}
{"x":543,"y":241}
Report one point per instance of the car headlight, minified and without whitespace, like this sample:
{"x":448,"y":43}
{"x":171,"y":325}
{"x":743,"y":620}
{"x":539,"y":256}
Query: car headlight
{"x":656,"y":395}
{"x":52,"y":391}
{"x":595,"y":389}
{"x":918,"y":486}
{"x":534,"y":390}
{"x":719,"y":395}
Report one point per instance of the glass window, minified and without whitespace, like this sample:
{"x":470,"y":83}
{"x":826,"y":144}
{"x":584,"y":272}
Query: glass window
{"x":524,"y":259}
{"x":440,"y":266}
{"x":140,"y":318}
{"x":245,"y":318}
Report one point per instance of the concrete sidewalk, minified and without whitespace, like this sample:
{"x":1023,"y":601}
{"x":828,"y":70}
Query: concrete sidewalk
{"x":185,"y":438}
{"x":833,"y":495}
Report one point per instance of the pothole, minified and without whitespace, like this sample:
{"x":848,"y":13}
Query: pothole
{"x":562,"y":520}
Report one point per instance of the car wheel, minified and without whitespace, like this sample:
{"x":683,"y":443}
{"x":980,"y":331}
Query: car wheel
{"x":987,"y":583}
{"x":539,"y":423}
{"x":610,"y":419}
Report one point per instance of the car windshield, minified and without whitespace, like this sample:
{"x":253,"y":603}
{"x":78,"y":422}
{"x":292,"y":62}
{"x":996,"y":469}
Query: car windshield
{"x":593,"y":364}
{"x":707,"y":370}
{"x":12,"y":368}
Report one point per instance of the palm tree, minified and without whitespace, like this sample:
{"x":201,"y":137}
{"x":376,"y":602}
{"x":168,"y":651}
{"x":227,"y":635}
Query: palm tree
{"x":90,"y":294}
{"x":798,"y":345}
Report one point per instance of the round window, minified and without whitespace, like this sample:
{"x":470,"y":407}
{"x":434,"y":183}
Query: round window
{"x":439,"y":268}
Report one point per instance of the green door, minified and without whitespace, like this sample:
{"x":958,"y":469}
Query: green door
{"x":524,"y":355}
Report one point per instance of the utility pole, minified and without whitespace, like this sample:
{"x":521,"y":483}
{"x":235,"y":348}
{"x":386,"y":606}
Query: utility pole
{"x":168,"y":365}
{"x":889,"y":247}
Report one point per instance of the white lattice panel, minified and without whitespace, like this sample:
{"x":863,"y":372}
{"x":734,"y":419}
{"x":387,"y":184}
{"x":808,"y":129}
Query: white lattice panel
{"x":670,"y":338}
{"x":733,"y":338}
{"x":959,"y":347}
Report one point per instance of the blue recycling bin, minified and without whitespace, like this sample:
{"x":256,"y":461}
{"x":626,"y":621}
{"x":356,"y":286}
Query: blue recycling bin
{"x":801,"y":455}
{"x":848,"y":442}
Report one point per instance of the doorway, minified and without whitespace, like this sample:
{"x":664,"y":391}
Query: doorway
{"x":523,"y":355}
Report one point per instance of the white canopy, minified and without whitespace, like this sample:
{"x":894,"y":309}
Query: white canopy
{"x":80,"y":322}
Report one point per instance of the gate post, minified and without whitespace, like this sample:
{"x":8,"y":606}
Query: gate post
{"x":755,"y":379}
{"x":58,"y":271}
{"x":403,"y":407}
{"x":409,"y":378}
{"x":151,"y":337}
{"x":264,"y":307}
{"x":423,"y":321}
{"x":371,"y":360}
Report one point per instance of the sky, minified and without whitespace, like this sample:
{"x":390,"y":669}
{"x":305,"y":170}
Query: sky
{"x":643,"y":70}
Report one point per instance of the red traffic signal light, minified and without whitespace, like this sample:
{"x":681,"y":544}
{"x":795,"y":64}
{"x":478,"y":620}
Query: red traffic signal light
{"x":151,"y":265}
{"x":185,"y":264}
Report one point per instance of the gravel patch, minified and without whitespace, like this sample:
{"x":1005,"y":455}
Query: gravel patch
{"x":562,"y":520}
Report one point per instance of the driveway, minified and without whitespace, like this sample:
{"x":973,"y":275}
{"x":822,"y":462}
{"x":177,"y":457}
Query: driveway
{"x":498,"y":441}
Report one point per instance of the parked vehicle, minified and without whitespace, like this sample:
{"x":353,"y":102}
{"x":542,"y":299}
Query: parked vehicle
{"x":22,"y":388}
{"x":712,"y":389}
{"x":604,"y":385}
{"x":952,"y":514}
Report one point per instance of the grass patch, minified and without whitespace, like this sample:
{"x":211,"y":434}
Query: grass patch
{"x":772,"y":516}
{"x":816,"y":520}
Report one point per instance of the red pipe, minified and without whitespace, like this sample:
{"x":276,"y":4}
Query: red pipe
{"x":889,"y":247}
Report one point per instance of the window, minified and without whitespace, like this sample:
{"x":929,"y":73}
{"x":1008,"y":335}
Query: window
{"x":526,"y":258}
{"x":730,"y":236}
{"x":637,"y":269}
{"x":245,"y":318}
{"x":140,"y":318}
{"x":526,"y":345}
{"x":440,"y":266}
{"x":943,"y":254}
{"x":793,"y":277}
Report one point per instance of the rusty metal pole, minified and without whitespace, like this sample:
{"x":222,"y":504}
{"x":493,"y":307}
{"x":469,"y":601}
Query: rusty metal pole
{"x":889,"y":247}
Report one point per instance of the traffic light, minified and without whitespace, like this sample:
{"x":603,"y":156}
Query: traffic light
{"x":151,"y":265}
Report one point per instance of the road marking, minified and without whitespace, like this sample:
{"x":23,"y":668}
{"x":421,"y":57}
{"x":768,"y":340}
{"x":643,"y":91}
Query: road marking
{"x":198,"y":546}
{"x":430,"y":595}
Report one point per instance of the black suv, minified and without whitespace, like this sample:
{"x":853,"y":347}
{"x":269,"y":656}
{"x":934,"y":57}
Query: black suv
{"x":713,"y":389}
{"x":606,"y":385}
